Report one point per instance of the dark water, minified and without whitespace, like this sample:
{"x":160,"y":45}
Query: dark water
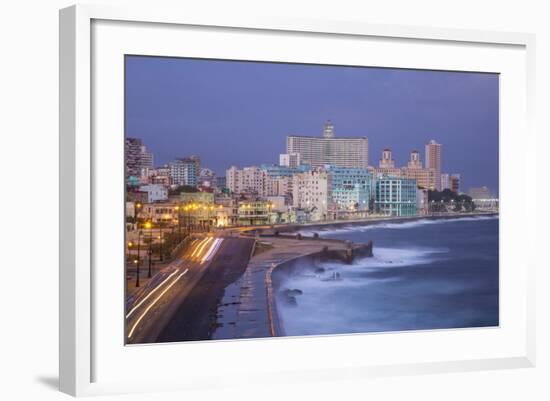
{"x":424,"y":275}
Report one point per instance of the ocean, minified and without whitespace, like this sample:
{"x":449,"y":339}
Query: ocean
{"x":426,"y":274}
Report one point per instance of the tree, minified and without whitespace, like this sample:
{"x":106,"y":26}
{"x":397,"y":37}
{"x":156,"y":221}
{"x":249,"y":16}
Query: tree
{"x":183,"y":188}
{"x":461,"y":202}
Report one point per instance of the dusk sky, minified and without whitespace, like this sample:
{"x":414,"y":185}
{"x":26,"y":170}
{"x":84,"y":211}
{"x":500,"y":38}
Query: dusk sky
{"x":239,"y":113}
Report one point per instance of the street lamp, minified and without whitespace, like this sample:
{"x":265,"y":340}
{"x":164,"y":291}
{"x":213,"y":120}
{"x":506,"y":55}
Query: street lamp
{"x":148,"y":225}
{"x":178,"y":211}
{"x":138,"y":261}
{"x":186,"y":217}
{"x":161,"y":253}
{"x":130,"y":244}
{"x":137,"y":208}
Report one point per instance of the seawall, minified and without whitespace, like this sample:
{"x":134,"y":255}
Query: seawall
{"x":285,"y":228}
{"x":278,"y":271}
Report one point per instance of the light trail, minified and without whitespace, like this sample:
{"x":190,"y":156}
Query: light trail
{"x":150,"y":294}
{"x":209,"y":251}
{"x":203,"y":245}
{"x":155,"y":301}
{"x":188,"y":251}
{"x":198,"y":246}
{"x":212,"y":251}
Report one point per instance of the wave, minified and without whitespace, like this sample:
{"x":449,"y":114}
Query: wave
{"x":379,"y":294}
{"x":415,"y":280}
{"x":331,"y":301}
{"x":392,"y":225}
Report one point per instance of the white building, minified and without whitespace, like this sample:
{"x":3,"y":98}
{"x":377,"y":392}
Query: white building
{"x":422,"y":201}
{"x":328,"y":149}
{"x":480,"y":193}
{"x":184,"y":172}
{"x":249,"y":179}
{"x":445,"y":181}
{"x":351,"y":198}
{"x":137,"y":157}
{"x":289,"y":160}
{"x":311,"y":193}
{"x":279,"y":186}
{"x":155,"y":192}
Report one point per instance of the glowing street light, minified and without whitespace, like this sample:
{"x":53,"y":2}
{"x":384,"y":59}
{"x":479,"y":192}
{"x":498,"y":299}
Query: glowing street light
{"x":138,"y":260}
{"x":130,"y":244}
{"x":148,"y":225}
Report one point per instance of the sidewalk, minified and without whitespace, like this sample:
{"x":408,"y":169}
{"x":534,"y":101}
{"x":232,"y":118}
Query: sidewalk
{"x":131,"y":271}
{"x":243,"y":311}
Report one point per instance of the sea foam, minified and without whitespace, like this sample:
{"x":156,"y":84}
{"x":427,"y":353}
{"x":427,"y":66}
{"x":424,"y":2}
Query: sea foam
{"x":390,"y":225}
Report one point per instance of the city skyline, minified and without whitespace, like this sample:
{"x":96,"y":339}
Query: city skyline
{"x":161,"y":112}
{"x":255,"y":193}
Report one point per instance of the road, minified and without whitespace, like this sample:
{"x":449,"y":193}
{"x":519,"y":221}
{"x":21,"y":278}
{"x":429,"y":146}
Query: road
{"x":178,"y":302}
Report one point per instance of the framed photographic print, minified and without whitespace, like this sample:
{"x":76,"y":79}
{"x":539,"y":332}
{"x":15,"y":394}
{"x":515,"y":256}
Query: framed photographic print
{"x":290,"y":198}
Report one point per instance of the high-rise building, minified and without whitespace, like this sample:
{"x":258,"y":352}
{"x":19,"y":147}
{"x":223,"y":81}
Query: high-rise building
{"x":311,"y":192}
{"x":396,"y":196}
{"x":454,"y":183}
{"x":279,"y":186}
{"x":445,"y":181}
{"x":233,"y":179}
{"x":137,"y":157}
{"x":414,"y":161}
{"x":132,"y":150}
{"x":424,"y":177}
{"x":433,"y":160}
{"x":386,"y":165}
{"x":387,"y":159}
{"x":328,"y":149}
{"x":146,"y":159}
{"x":289,"y":160}
{"x":247,"y":180}
{"x":184,"y":172}
{"x":351,"y":188}
{"x":328,"y":130}
{"x":197,"y":160}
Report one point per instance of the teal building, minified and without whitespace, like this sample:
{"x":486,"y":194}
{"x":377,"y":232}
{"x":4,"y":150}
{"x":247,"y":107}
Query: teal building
{"x":351,"y":188}
{"x":395,"y":196}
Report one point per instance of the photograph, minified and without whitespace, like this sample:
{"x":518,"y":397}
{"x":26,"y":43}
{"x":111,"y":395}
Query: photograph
{"x":273,"y":199}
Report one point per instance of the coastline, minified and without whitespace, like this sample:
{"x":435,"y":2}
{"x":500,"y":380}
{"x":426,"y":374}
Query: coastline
{"x":375,"y":220}
{"x":275,"y":321}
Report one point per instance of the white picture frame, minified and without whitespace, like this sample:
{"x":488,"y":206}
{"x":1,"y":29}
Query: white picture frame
{"x":78,"y":155}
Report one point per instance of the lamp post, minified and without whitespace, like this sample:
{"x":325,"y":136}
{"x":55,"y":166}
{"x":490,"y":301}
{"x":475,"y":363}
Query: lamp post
{"x":138,"y":260}
{"x":137,"y":209}
{"x":161,"y":254}
{"x":211,"y":217}
{"x":186,"y":217}
{"x":149,"y":226}
{"x":178,"y":210}
{"x":130,"y":244}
